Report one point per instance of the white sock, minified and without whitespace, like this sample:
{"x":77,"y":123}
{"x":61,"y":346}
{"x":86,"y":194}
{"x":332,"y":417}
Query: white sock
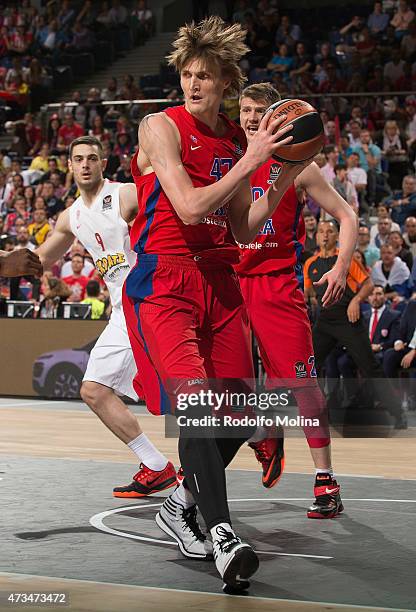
{"x":213,"y":531}
{"x":260,"y":433}
{"x":324,"y":471}
{"x":147,"y":453}
{"x":183,"y":497}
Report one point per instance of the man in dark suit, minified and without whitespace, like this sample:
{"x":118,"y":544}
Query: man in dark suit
{"x":394,"y":356}
{"x":383,"y":327}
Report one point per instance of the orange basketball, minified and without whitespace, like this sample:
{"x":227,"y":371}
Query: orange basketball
{"x":308,"y":130}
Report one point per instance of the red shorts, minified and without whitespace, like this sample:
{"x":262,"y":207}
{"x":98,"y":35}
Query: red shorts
{"x":186,"y":321}
{"x":279,"y":319}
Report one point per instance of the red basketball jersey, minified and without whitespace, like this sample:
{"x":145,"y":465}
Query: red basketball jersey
{"x":157,"y":228}
{"x":279,"y":243}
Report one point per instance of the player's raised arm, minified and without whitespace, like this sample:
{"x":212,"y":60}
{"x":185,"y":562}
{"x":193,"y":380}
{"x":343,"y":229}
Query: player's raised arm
{"x":325,"y":195}
{"x":57,"y":243}
{"x":159,"y":141}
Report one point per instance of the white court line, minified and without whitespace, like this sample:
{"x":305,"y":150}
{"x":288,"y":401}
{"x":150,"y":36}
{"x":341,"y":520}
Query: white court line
{"x":97,"y":521}
{"x":185,"y":591}
{"x":39,"y":403}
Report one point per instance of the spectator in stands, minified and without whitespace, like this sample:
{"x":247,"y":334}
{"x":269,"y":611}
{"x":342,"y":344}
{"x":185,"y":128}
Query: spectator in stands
{"x":144,"y":19}
{"x":370,"y":251}
{"x":129,"y":91}
{"x":52,"y":169}
{"x":22,"y":239}
{"x":40,"y":228}
{"x":55,"y":291}
{"x":3,"y":194}
{"x":379,"y":233}
{"x":76,"y":281}
{"x":97,"y":306}
{"x":19,"y":211}
{"x":51,"y":38}
{"x":408,"y":44}
{"x":354,"y":132}
{"x":392,"y":274}
{"x":331,"y":156}
{"x":39,"y":164}
{"x":311,"y":226}
{"x":81,"y":39}
{"x":124,"y":172}
{"x":403,"y":202}
{"x":54,"y":204}
{"x":117,"y":13}
{"x":344,"y":186}
{"x":393,"y":145}
{"x":77,"y":249}
{"x":111,"y":92}
{"x":358,"y":177}
{"x":66,"y":15}
{"x":53,"y":132}
{"x":383,"y":326}
{"x":394,"y":70}
{"x":409,"y":236}
{"x":400,"y":249}
{"x":123,"y":145}
{"x":87,"y":15}
{"x":287,"y":33}
{"x":402,"y":18}
{"x":281,"y":61}
{"x":68,"y":132}
{"x":393,"y":357}
{"x":370,"y":162}
{"x":378,"y":21}
{"x":104,"y":17}
{"x":98,"y":130}
{"x":302,"y":62}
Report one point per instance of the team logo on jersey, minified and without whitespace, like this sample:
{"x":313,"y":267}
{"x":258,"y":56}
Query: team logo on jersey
{"x":193,"y":138}
{"x":104,"y":264}
{"x":107,"y":202}
{"x":267,"y":228}
{"x":275,"y":170}
{"x":238,"y":148}
{"x":300,"y":370}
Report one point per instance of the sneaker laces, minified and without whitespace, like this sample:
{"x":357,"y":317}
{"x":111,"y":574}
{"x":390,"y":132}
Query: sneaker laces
{"x":189,"y":518}
{"x":142,"y":474}
{"x":228,"y":539}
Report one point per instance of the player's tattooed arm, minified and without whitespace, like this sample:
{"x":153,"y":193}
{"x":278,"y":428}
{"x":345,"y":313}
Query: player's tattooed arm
{"x":58,"y":242}
{"x":151,"y":142}
{"x":160,"y":145}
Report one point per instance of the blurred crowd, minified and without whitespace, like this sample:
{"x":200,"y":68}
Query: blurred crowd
{"x":41,"y":49}
{"x":369,"y":155}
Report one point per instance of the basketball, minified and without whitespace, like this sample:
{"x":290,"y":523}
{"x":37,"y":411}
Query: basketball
{"x":307,"y":132}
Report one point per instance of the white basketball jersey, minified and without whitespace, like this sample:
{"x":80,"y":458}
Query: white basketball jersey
{"x":105,"y":235}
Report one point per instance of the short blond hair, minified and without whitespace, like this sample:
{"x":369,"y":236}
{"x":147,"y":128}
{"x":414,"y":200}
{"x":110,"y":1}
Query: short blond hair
{"x":217,"y":43}
{"x":261,"y":91}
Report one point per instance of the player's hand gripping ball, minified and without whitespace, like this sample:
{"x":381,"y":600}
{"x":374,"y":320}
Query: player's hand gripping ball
{"x":308,"y":130}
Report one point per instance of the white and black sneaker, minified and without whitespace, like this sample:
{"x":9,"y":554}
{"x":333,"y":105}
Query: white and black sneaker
{"x":181,"y":524}
{"x":235,"y":560}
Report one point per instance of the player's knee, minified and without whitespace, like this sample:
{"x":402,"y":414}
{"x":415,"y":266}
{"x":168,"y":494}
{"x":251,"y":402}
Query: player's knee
{"x":93,"y":394}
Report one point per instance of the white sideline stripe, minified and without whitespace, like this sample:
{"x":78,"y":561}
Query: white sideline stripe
{"x":97,"y":522}
{"x":184,"y":591}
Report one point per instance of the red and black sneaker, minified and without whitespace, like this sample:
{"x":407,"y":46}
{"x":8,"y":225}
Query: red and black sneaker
{"x":328,"y":502}
{"x":147,"y":481}
{"x":269,"y":452}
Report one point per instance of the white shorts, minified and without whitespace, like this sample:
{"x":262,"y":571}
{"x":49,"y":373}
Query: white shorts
{"x":111,"y":361}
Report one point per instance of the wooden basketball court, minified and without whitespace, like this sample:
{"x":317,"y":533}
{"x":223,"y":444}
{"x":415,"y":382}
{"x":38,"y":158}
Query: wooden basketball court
{"x":36,"y":431}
